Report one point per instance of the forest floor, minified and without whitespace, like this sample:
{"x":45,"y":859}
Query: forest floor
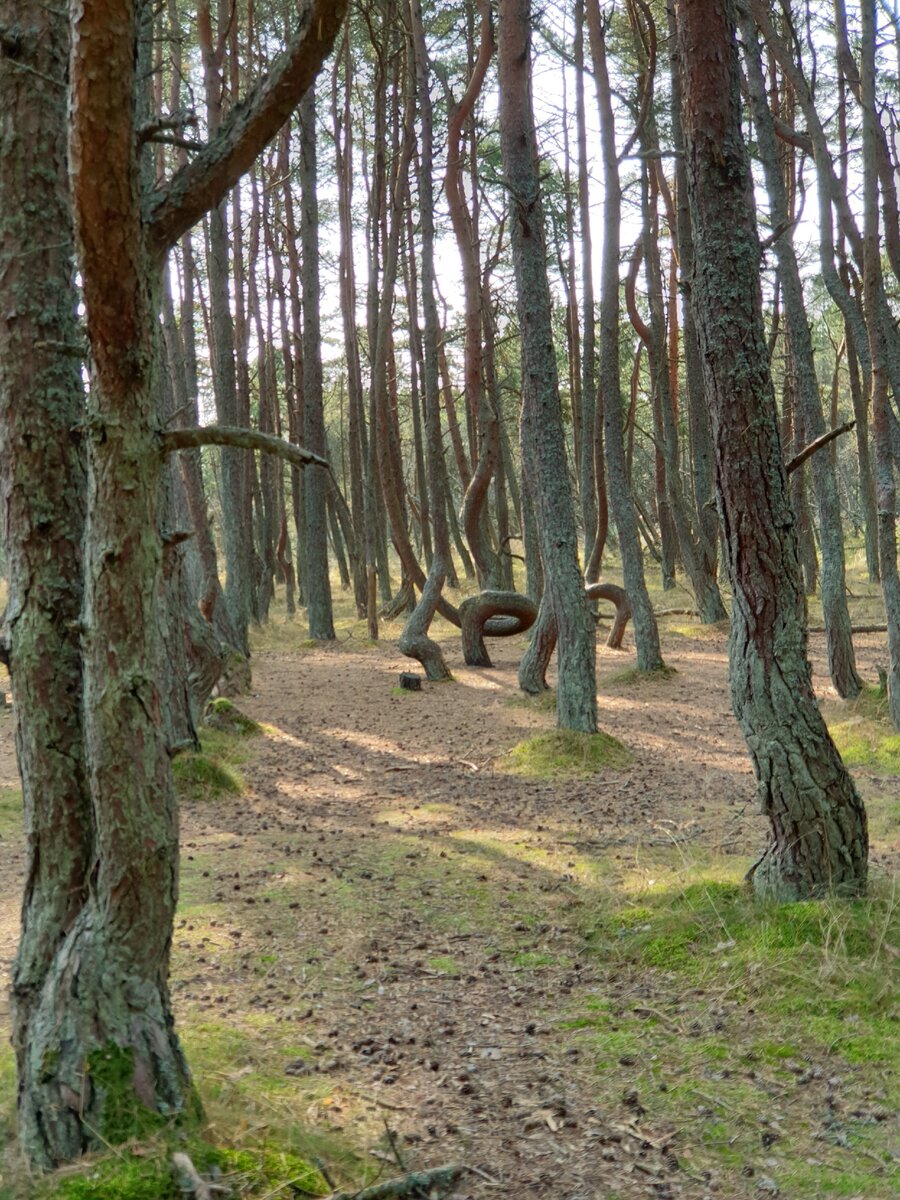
{"x":392,"y":952}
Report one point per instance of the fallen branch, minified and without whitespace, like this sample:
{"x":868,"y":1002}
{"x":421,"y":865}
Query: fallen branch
{"x":799,"y":459}
{"x":245,"y":439}
{"x":418,"y":1185}
{"x":854,"y":631}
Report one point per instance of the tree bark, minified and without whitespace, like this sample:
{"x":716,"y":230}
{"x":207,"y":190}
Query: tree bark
{"x":99,"y":1057}
{"x":818,"y":823}
{"x":415,"y":640}
{"x":318,"y":584}
{"x":542,"y":435}
{"x":646,"y":634}
{"x":43,"y":490}
{"x":839,"y":642}
{"x":886,"y":493}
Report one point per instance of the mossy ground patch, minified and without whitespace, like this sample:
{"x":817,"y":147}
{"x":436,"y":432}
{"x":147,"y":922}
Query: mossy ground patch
{"x":560,"y":753}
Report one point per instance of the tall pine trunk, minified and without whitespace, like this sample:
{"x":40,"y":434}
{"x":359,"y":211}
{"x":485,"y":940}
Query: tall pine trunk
{"x":43,"y":489}
{"x":819,"y":840}
{"x":543,"y":445}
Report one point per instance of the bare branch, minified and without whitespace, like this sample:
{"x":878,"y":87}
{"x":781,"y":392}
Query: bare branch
{"x":175,"y":123}
{"x":248,"y":439}
{"x":808,"y":451}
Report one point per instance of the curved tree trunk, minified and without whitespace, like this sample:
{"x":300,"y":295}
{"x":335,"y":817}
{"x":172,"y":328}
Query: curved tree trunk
{"x":536,"y":659}
{"x":476,"y":611}
{"x":414,"y":640}
{"x":619,"y":597}
{"x":818,"y":824}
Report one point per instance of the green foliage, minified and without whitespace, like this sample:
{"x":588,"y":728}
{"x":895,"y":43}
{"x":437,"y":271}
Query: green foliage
{"x":750,"y":1012}
{"x":543,"y":702}
{"x":213,"y":772}
{"x":564,"y":752}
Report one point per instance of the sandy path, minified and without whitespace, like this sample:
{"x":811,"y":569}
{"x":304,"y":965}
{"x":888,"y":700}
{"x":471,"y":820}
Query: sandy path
{"x":423,"y":997}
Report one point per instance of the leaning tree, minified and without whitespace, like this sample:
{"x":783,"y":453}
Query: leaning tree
{"x":818,"y":824}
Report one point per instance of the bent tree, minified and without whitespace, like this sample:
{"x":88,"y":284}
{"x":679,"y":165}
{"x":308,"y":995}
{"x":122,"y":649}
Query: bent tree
{"x":818,"y":823}
{"x":98,"y":1057}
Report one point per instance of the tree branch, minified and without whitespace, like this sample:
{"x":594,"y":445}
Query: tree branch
{"x":249,"y":126}
{"x":247,"y":439}
{"x":438,"y":1181}
{"x":808,"y":451}
{"x":175,"y":123}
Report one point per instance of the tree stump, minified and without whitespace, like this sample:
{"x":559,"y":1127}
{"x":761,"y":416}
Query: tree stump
{"x":410,"y":682}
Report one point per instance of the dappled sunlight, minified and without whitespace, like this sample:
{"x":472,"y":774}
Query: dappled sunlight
{"x":482,"y":680}
{"x":374,"y":743}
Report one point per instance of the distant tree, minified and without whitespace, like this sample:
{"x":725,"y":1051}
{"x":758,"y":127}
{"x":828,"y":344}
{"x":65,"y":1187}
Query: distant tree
{"x":543,"y":448}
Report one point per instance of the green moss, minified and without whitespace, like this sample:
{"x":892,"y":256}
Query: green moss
{"x":7,"y":1095}
{"x":563,"y":752}
{"x":111,"y":1071}
{"x":532,"y":959}
{"x":201,"y":777}
{"x":147,"y":1173}
{"x":222,"y":714}
{"x":633,"y":676}
{"x":271,"y":1170}
{"x":445,"y":964}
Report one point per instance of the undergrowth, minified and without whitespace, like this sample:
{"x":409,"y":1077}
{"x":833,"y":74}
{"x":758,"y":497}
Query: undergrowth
{"x":766,"y":1033}
{"x":146,"y":1171}
{"x":213,"y":771}
{"x":862,"y":731}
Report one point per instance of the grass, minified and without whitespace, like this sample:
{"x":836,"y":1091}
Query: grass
{"x":148,"y":1172}
{"x":727,"y":1019}
{"x":213,"y":771}
{"x":221,"y":714}
{"x":863,"y":733}
{"x":10,"y":812}
{"x":563,"y":752}
{"x":754,"y":1020}
{"x":542,"y":702}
